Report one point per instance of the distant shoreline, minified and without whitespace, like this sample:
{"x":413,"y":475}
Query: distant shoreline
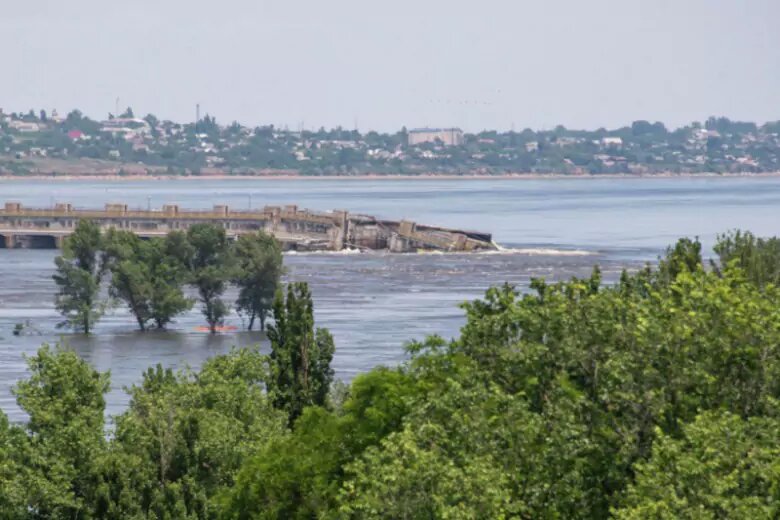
{"x":375,"y":177}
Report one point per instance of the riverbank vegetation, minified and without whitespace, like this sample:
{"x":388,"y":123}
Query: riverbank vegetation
{"x":655,"y":397}
{"x":149,"y":276}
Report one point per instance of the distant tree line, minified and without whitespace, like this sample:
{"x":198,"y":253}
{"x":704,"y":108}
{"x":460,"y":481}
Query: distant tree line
{"x":148,"y":276}
{"x":655,"y":397}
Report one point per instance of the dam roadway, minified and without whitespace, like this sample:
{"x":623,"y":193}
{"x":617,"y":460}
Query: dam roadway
{"x":296,"y":229}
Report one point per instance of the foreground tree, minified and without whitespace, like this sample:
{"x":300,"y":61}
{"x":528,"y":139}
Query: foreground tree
{"x":438,"y":465}
{"x":12,"y":493}
{"x":210,"y":266}
{"x":758,"y":257}
{"x":79,"y":272}
{"x":184,"y":437}
{"x":258,"y":271}
{"x":300,"y":355}
{"x":176,"y":448}
{"x":58,"y":461}
{"x":722,"y":467}
{"x":299,"y":475}
{"x":644,"y":356}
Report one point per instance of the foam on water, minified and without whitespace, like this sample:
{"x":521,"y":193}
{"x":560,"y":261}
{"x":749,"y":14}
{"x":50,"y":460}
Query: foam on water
{"x":342,"y":252}
{"x":538,"y":251}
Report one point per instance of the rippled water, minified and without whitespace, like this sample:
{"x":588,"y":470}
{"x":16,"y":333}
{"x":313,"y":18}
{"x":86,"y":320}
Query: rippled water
{"x":374,"y":303}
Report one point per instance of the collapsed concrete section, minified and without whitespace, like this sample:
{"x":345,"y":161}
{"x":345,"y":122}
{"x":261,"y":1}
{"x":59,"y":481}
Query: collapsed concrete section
{"x":296,"y":229}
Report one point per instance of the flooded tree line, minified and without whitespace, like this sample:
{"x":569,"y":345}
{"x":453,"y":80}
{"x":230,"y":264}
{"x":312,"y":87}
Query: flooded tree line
{"x":148,"y":276}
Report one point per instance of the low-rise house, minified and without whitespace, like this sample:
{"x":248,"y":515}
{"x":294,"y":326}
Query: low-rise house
{"x":615,"y":142}
{"x":119,"y":131}
{"x":567,"y":141}
{"x":214,"y":160}
{"x":140,"y":125}
{"x":747,"y":161}
{"x":24,"y":127}
{"x":378,"y":153}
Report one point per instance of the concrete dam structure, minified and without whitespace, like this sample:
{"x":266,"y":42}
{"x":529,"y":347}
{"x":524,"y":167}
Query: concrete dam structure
{"x":296,"y":229}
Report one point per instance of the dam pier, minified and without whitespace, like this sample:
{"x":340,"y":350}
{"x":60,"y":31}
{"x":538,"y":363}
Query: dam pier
{"x":296,"y":229}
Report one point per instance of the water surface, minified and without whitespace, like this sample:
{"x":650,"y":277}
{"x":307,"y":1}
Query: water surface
{"x":375,"y":302}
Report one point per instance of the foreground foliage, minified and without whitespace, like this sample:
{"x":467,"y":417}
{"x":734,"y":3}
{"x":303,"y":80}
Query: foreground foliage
{"x":729,"y":468}
{"x":657,"y":397}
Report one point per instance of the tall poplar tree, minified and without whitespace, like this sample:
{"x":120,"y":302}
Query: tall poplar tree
{"x":300,"y":355}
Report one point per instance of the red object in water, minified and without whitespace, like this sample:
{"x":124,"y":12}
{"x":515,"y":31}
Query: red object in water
{"x":75,"y":134}
{"x":219,"y":328}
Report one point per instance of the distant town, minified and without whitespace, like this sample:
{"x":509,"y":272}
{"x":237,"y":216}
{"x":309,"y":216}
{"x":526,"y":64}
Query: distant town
{"x":50,"y":143}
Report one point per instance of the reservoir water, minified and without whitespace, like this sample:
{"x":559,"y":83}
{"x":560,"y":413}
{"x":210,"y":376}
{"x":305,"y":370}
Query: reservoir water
{"x":375,"y":302}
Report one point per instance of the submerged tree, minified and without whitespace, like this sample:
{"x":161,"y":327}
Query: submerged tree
{"x":210,"y":266}
{"x":167,"y":259}
{"x":78,"y":276}
{"x":258,"y":271}
{"x":146,"y":277}
{"x":300,"y":355}
{"x":130,"y":277}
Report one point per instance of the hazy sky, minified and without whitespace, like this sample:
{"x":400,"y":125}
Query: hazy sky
{"x":474,"y":64}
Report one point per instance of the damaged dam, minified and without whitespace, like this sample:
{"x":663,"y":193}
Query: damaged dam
{"x":296,"y":229}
